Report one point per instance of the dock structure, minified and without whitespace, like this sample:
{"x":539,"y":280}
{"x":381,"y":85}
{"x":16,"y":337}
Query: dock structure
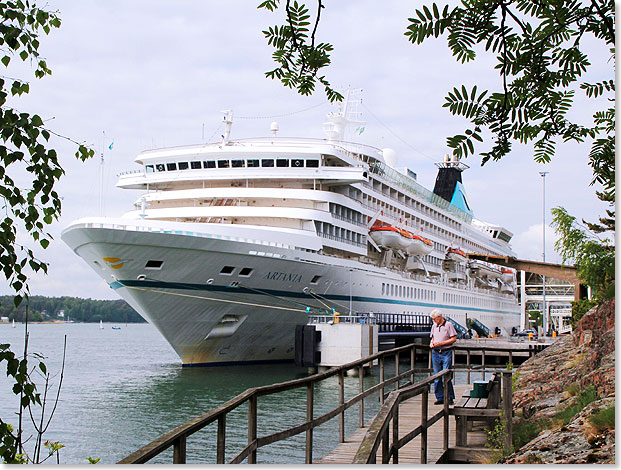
{"x":410,"y":417}
{"x":407,"y":419}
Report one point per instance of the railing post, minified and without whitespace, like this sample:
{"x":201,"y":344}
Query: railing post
{"x":385,"y":446}
{"x":252,"y":427}
{"x":310,"y":388}
{"x":423,"y":423}
{"x":341,"y":402}
{"x":397,"y":369}
{"x":430,"y":364}
{"x":446,"y":379}
{"x":381,"y":397}
{"x":395,"y":433}
{"x":511,"y":357}
{"x":361,"y":389}
{"x":468,"y":366}
{"x":507,"y":406}
{"x":483,"y":364}
{"x":179,"y":449}
{"x":413,"y":362}
{"x":221,"y":439}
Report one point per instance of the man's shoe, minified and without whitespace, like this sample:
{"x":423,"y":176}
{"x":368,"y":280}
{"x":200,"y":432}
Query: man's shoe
{"x":438,"y":402}
{"x":450,"y":402}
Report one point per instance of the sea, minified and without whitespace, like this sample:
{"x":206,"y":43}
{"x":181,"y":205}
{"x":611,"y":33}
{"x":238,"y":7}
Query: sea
{"x":123,"y":386}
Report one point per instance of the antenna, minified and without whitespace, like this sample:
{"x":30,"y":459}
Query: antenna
{"x":101,"y":173}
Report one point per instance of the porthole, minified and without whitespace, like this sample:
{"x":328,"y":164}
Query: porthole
{"x":315,"y":279}
{"x":245,"y":272}
{"x":196,"y":165}
{"x":297,"y":162}
{"x":282,"y":162}
{"x":209,"y":164}
{"x":171,"y":166}
{"x":209,"y":281}
{"x":183,"y":165}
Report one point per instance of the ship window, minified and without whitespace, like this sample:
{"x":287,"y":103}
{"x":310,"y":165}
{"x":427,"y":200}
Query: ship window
{"x":153,"y":264}
{"x":160,"y":167}
{"x":246,"y":272}
{"x":171,"y":166}
{"x":195,"y":165}
{"x":183,"y":165}
{"x":252,"y":163}
{"x":312,"y":163}
{"x":297,"y":162}
{"x":238,"y":163}
{"x":227,"y":270}
{"x":315,"y":279}
{"x":209,"y":164}
{"x":223,"y":163}
{"x":266,"y":163}
{"x":282,"y":162}
{"x":149,"y":168}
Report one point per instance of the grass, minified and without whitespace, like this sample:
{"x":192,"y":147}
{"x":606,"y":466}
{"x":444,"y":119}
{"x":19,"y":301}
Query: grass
{"x":603,"y":419}
{"x":586,"y":396}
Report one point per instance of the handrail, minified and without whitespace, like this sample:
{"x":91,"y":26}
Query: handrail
{"x":178,"y":436}
{"x":377,"y":431}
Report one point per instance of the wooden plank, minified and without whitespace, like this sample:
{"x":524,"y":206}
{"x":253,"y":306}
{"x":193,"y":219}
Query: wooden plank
{"x":410,"y":418}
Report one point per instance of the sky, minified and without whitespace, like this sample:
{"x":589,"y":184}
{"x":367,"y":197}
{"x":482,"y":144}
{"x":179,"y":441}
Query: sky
{"x":148,"y":74}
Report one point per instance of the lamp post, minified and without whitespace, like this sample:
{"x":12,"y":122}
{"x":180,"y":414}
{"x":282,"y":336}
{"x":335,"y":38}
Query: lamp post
{"x":546,"y":324}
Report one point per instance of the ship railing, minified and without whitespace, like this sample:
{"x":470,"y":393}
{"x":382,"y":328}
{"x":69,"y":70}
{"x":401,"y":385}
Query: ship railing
{"x":348,"y":220}
{"x":364,"y":319}
{"x":403,"y":381}
{"x":341,"y":240}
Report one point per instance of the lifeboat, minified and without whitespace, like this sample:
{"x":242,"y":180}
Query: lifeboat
{"x":480,"y":270}
{"x":507,"y":276}
{"x":455,"y":254}
{"x":419,"y":246}
{"x":400,"y":239}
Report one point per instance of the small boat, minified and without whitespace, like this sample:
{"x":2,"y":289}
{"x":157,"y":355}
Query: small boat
{"x":400,"y":239}
{"x":116,"y":327}
{"x":507,"y":276}
{"x":13,"y":323}
{"x":455,"y":254}
{"x":101,"y":327}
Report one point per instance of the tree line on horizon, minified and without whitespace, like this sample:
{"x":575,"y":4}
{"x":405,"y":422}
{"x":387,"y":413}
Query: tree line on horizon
{"x":73,"y":308}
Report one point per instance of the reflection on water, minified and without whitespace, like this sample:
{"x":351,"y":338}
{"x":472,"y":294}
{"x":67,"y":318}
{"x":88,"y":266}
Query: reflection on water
{"x":124,"y":388}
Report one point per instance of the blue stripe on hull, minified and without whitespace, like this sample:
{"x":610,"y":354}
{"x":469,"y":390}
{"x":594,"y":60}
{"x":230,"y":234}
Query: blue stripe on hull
{"x":300,"y":295}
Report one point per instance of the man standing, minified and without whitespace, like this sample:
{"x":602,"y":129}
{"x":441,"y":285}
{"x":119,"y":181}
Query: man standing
{"x":443,"y":335}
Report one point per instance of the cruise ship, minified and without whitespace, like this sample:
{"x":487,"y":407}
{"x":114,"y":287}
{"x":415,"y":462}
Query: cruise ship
{"x":232,"y":244}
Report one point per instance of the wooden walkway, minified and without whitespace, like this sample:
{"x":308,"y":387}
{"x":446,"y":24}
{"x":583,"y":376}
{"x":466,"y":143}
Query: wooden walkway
{"x":410,"y":418}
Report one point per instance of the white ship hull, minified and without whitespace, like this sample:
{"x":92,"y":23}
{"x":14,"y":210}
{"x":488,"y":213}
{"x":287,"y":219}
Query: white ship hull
{"x":214,"y":318}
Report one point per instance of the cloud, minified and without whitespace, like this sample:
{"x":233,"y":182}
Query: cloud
{"x":528,"y":244}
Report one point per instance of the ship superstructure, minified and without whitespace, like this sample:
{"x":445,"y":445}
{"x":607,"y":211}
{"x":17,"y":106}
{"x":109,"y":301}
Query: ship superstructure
{"x":231,"y":244}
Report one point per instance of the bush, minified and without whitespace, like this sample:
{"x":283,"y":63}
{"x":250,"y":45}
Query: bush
{"x":525,"y":431}
{"x":604,"y":418}
{"x":579,"y":308}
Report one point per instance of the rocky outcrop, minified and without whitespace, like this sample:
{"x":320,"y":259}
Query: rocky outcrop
{"x":587,"y":357}
{"x":576,"y":442}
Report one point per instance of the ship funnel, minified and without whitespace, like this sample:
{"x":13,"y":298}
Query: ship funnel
{"x":448,"y":183}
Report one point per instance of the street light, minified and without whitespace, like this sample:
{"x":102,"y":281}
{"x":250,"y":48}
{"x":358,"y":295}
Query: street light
{"x":546,"y":324}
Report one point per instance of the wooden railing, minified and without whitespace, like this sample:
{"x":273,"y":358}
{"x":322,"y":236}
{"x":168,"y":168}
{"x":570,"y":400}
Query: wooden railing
{"x":378,"y":431}
{"x":177,"y":438}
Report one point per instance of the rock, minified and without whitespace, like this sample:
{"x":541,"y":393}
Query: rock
{"x":573,"y":443}
{"x":587,"y":357}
